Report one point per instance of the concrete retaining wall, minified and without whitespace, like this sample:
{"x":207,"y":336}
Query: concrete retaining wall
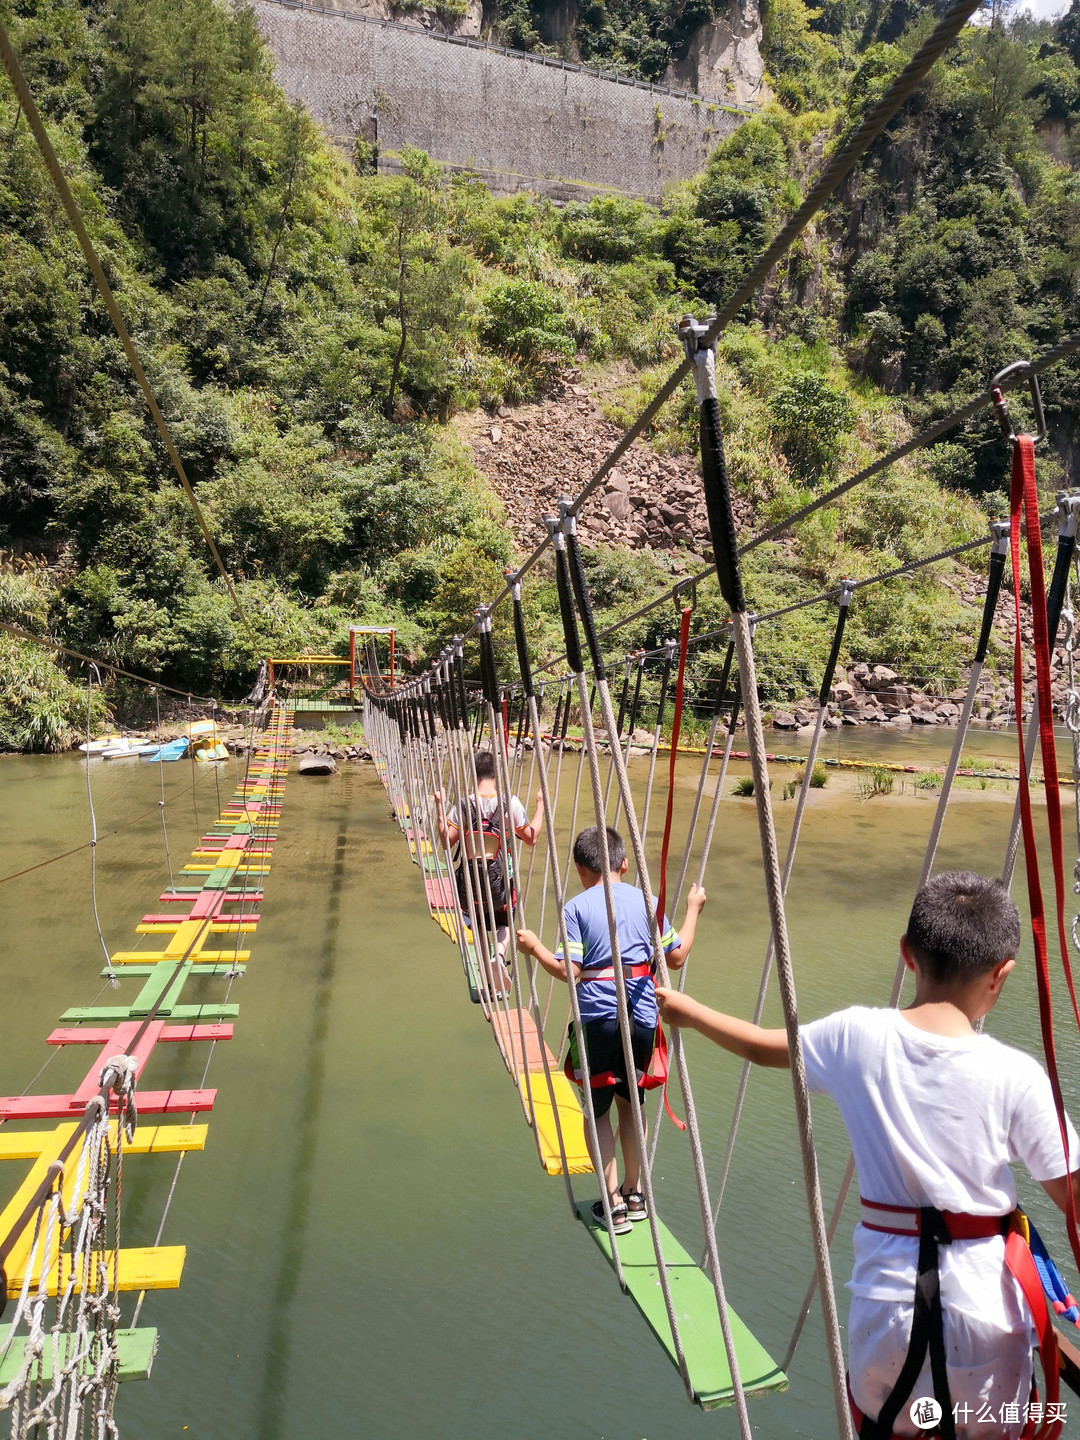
{"x":520,"y":122}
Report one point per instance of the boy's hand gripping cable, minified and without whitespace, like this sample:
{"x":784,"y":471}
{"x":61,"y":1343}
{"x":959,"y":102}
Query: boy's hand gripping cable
{"x":722,"y":527}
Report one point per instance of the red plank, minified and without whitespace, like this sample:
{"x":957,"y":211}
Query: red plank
{"x":87,"y":1035}
{"x":508,"y":1030}
{"x":441,"y":893}
{"x":117,"y":1044}
{"x":60,"y":1107}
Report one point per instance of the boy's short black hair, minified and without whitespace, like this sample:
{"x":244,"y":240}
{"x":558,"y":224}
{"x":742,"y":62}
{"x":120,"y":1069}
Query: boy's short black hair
{"x":587,"y":850}
{"x":962,"y":925}
{"x":485,"y":765}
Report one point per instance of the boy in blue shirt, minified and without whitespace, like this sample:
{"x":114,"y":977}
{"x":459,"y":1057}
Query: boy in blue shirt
{"x":590,"y":967}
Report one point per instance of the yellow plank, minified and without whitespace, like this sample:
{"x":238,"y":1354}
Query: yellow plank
{"x":150,"y":957}
{"x":149,"y":1140}
{"x":149,"y":1267}
{"x":570,"y":1119}
{"x":226,"y":927}
{"x":240,"y":869}
{"x":446,"y":922}
{"x":191,"y":935}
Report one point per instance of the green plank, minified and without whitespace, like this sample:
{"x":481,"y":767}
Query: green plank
{"x":695,"y":1313}
{"x":472,"y":974}
{"x":135,"y":1356}
{"x":114,"y":1014}
{"x":205,"y":967}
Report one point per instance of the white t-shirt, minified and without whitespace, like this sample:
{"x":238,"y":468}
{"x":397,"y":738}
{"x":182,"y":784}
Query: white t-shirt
{"x":935,"y":1120}
{"x":488,"y":806}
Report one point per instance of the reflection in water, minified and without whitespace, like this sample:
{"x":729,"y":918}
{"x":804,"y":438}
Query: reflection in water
{"x":302,"y":1163}
{"x":372,"y":1248}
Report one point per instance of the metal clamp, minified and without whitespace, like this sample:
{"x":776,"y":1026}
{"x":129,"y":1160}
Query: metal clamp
{"x":1019,"y":369}
{"x":999,"y":537}
{"x":1068,"y":507}
{"x":702,"y":357}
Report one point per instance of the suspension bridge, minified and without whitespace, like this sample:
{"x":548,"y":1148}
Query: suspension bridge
{"x":63,"y":1349}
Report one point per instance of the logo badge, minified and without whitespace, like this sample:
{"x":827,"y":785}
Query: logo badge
{"x":925,"y":1413}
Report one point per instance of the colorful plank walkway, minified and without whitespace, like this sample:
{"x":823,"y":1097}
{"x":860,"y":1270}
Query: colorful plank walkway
{"x":527,"y":1066}
{"x":524,"y":1052}
{"x":227,"y":868}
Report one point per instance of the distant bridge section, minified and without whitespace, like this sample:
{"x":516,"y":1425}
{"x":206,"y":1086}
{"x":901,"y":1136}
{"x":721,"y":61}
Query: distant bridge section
{"x":521,"y":122}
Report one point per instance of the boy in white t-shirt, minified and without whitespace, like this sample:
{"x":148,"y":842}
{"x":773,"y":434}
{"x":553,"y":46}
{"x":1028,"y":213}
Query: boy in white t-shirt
{"x":936,"y":1112}
{"x":482,"y":817}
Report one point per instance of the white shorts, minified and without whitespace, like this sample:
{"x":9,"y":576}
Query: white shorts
{"x":879,"y":1333}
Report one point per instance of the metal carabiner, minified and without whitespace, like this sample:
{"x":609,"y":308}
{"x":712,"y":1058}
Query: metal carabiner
{"x":1001,"y":409}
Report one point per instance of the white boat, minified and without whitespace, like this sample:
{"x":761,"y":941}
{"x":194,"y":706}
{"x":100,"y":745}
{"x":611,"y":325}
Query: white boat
{"x":126,"y":749}
{"x":95,"y":747}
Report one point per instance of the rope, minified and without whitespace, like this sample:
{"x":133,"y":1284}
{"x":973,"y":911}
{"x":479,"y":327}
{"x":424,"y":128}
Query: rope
{"x":722,"y":527}
{"x":48,"y":154}
{"x":93,"y":834}
{"x":108,"y":665}
{"x":162,"y":801}
{"x":676,"y":724}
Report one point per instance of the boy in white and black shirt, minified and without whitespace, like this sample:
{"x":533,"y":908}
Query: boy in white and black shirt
{"x":936,"y":1113}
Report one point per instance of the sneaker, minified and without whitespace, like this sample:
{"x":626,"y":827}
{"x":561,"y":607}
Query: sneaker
{"x":634,"y":1201}
{"x":620,"y":1220}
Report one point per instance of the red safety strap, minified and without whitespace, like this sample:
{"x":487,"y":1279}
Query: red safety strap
{"x":676,"y":726}
{"x":1021,"y":1265}
{"x":1024,"y":501}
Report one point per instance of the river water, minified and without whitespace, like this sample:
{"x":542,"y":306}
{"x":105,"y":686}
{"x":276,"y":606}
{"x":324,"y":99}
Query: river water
{"x":373,"y":1250}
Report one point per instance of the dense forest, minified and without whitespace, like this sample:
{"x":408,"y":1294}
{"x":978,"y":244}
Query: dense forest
{"x":310,"y":329}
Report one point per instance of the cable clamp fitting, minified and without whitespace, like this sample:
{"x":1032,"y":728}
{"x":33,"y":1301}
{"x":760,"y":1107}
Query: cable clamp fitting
{"x":1020,"y":369}
{"x":1068,"y":506}
{"x":701,"y":356}
{"x":847,"y":590}
{"x":999,"y":537}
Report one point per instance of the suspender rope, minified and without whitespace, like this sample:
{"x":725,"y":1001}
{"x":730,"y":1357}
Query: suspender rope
{"x":718,"y":706}
{"x":676,"y":725}
{"x":999,"y":534}
{"x":506,"y":861}
{"x":577,"y":667}
{"x":846,"y":592}
{"x":722,"y":526}
{"x":581,"y":592}
{"x":532,"y":712}
{"x":640,"y":658}
{"x":616,"y":739}
{"x":665,"y":681}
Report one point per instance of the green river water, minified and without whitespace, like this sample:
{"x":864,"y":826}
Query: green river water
{"x":373,"y":1250}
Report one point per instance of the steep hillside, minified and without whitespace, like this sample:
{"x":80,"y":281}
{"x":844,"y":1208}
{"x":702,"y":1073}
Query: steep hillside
{"x":310,"y":329}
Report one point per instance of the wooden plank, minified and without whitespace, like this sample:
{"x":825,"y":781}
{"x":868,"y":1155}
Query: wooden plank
{"x":149,"y":1102}
{"x":153,"y":957}
{"x":148,"y":1267}
{"x":116,"y":1013}
{"x":168,"y":926}
{"x":135,"y":1351}
{"x":149,"y":1140}
{"x":440,"y":893}
{"x":695,"y":1314}
{"x":570,"y":1120}
{"x":507,"y":1027}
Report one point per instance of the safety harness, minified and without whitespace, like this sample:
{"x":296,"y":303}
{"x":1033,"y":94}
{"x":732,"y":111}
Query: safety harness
{"x":934,"y":1228}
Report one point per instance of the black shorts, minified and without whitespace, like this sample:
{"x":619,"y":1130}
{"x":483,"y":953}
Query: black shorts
{"x":605,"y":1050}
